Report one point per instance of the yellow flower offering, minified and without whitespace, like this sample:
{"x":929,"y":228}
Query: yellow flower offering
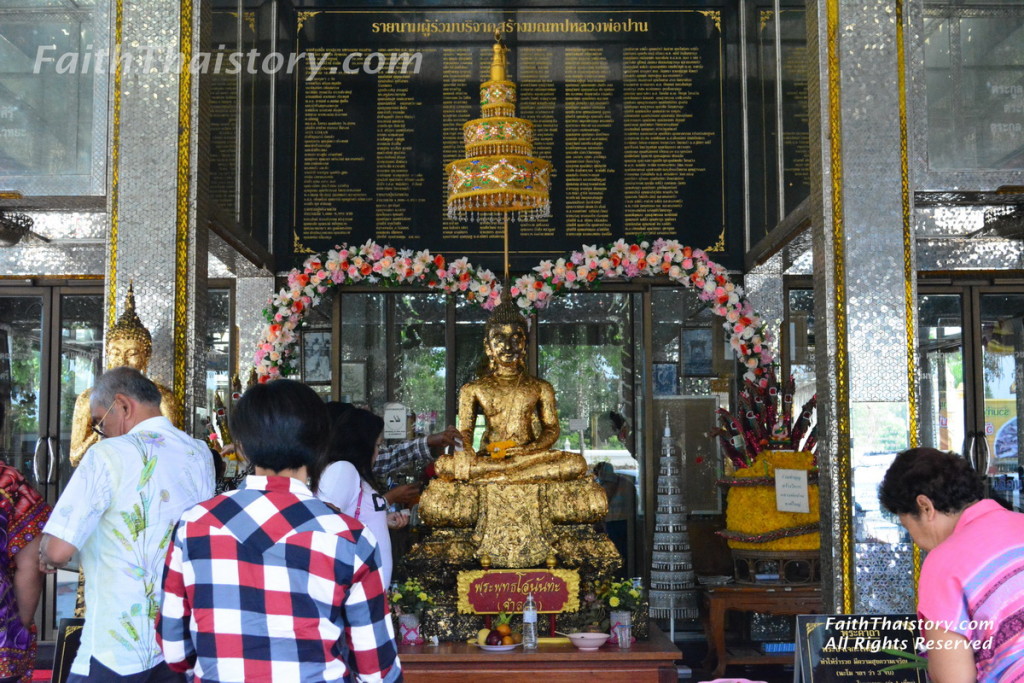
{"x":752,"y":511}
{"x":498,"y":449}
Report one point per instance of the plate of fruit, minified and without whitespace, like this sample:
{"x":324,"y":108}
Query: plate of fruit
{"x":498,"y":648}
{"x":501,"y":638}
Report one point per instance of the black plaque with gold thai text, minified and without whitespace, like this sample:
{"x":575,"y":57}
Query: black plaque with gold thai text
{"x":631,"y":107}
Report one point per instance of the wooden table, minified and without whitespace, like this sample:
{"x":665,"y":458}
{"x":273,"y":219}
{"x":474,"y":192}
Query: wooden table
{"x":650,"y":661}
{"x":774,"y":599}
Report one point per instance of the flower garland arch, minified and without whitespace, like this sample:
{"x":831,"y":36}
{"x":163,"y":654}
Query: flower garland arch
{"x":373,"y":263}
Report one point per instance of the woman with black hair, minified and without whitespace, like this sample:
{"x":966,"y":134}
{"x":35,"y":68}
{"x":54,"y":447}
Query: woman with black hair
{"x":345,"y":475}
{"x":971,"y":590}
{"x":267,"y":582}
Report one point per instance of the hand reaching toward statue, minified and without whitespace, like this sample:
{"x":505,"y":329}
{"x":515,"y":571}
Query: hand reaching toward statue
{"x":399,"y":519}
{"x":406,"y":494}
{"x":450,"y":437}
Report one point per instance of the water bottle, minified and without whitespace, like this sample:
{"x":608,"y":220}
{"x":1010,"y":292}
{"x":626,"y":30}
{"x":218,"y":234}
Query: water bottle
{"x":529,"y":622}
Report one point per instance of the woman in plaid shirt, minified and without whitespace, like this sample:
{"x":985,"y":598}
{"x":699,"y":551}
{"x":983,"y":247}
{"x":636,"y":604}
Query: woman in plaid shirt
{"x":267,"y":583}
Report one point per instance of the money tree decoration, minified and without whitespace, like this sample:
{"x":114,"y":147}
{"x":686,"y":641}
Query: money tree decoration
{"x":764,"y":436}
{"x":765,"y":421}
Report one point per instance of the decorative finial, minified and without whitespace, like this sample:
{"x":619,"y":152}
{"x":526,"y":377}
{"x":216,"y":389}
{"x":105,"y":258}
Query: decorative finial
{"x":129,"y":326}
{"x":485,"y":561}
{"x":499,"y":180}
{"x":552,"y":561}
{"x":499,"y":62}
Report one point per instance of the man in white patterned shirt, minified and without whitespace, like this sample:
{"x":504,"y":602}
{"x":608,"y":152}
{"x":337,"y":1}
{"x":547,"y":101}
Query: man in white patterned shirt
{"x":118,"y":512}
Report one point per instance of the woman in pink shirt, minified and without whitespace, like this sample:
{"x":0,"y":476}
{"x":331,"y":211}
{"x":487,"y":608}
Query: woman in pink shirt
{"x":971,"y":592}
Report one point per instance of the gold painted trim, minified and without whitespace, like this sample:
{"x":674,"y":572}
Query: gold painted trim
{"x":69,"y":631}
{"x":115,"y":167}
{"x":714,"y":15}
{"x":570,"y":576}
{"x":302,"y":18}
{"x":909,"y":270}
{"x":297,"y":246}
{"x":55,"y":276}
{"x":842,"y":379}
{"x":719,"y":245}
{"x":183,"y":233}
{"x":763,"y":19}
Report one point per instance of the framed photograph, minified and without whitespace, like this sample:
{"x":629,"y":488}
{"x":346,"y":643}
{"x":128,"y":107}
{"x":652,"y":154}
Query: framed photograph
{"x":666,"y":379}
{"x":724,"y":359}
{"x":316,"y":356}
{"x":353,"y":381}
{"x":696,"y":352}
{"x":689,"y":419}
{"x":799,"y":353}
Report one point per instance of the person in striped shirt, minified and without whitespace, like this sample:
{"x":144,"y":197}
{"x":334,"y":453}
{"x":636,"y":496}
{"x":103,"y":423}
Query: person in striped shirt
{"x":971,"y":591}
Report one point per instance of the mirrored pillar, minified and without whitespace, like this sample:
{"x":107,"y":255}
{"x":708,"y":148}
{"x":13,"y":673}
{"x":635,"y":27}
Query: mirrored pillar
{"x":158,"y":235}
{"x":864,"y":290}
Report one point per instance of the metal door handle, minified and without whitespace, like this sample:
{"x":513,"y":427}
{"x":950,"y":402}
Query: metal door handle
{"x":40,"y":479}
{"x":968,"y":449}
{"x":983,"y":456}
{"x":51,"y":467}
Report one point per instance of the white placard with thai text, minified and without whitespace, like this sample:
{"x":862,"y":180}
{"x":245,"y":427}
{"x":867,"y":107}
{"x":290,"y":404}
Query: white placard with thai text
{"x":577,"y":424}
{"x":791,"y":491}
{"x":394,"y":421}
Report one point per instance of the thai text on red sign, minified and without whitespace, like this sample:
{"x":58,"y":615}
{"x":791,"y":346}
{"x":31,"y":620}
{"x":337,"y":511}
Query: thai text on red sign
{"x":505,"y":590}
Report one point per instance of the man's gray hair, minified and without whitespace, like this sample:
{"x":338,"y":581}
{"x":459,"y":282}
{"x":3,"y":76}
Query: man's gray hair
{"x":127,"y":381}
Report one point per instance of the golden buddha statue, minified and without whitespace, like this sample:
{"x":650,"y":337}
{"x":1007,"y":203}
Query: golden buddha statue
{"x":523,"y":501}
{"x":128,"y":343}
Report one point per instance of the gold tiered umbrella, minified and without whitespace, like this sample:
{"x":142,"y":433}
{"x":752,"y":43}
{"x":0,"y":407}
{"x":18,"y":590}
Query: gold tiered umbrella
{"x":499,"y":180}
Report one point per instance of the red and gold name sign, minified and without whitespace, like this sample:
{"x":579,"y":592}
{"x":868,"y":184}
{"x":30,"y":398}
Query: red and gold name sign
{"x":505,"y":590}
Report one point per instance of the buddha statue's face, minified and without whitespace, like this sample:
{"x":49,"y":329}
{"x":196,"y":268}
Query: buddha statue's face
{"x":505,"y":345}
{"x":128,"y":352}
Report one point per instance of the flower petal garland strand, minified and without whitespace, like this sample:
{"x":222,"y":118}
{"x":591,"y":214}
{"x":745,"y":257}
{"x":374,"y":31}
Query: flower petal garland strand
{"x":372,"y":263}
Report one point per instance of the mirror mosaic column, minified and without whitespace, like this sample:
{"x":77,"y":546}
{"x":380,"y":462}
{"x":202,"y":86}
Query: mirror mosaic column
{"x":158,"y":237}
{"x":863,"y":269}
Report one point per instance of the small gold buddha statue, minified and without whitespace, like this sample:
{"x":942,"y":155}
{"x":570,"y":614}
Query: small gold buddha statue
{"x":127,"y":343}
{"x":525,"y":502}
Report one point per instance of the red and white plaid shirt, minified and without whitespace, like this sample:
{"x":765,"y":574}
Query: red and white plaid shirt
{"x":267,"y":583}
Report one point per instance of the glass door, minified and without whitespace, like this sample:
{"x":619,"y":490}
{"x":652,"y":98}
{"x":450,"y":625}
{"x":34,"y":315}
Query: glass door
{"x":23,"y":350}
{"x":971,"y":351}
{"x":586,"y":351}
{"x":50,"y":351}
{"x":1001,"y":387}
{"x":941,"y":356}
{"x":76,"y":333}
